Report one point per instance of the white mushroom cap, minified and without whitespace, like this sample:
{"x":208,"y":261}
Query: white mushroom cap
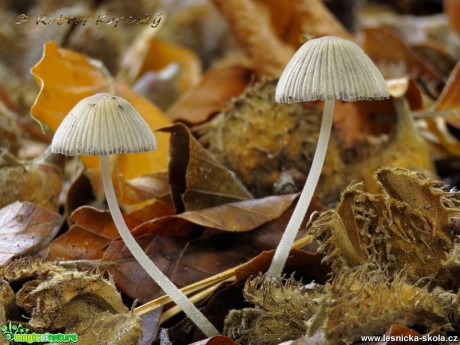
{"x":330,"y":68}
{"x":100,"y":125}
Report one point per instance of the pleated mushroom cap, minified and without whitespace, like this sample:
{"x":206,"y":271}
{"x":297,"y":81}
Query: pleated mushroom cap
{"x":330,"y":68}
{"x":100,"y":125}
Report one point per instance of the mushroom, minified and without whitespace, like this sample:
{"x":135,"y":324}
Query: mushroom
{"x":101,"y":125}
{"x":326,"y":68}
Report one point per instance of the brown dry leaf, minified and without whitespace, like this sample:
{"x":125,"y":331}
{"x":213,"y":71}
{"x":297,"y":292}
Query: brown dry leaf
{"x":65,"y":77}
{"x":452,"y":10}
{"x":197,"y":179}
{"x":38,"y":181}
{"x":146,"y":197}
{"x":25,"y":229}
{"x":92,"y":231}
{"x":269,"y":31}
{"x":232,"y":217}
{"x":211,"y":95}
{"x":397,"y":52}
{"x":186,"y":260}
{"x":448,"y":100}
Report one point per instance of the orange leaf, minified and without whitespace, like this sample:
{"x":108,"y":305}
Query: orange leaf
{"x":65,"y":77}
{"x":211,"y":95}
{"x":161,"y":53}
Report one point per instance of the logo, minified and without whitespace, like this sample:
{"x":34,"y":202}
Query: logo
{"x":18,"y":333}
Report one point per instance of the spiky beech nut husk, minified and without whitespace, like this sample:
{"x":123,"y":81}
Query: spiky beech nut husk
{"x":126,"y":328}
{"x":68,"y":297}
{"x":259,"y":139}
{"x":28,"y":269}
{"x":6,"y":298}
{"x":362,"y":302}
{"x":283,"y":308}
{"x":405,"y":228}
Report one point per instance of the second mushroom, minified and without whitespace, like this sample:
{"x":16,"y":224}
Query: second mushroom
{"x":328,"y":69}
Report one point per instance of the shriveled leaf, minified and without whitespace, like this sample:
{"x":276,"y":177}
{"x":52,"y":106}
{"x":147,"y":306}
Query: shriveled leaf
{"x":211,"y":95}
{"x":25,"y":228}
{"x":275,"y":27}
{"x":197,"y":179}
{"x":65,"y":77}
{"x":92,"y":231}
{"x":36,"y":181}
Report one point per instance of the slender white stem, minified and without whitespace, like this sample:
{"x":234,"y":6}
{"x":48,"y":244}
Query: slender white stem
{"x":168,"y":287}
{"x":284,"y":247}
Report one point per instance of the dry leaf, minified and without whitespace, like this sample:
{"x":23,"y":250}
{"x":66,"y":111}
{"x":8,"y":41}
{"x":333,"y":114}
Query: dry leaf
{"x":187,"y":260}
{"x":158,"y":55}
{"x":197,"y":179}
{"x":25,"y":229}
{"x":211,"y":95}
{"x":92,"y":231}
{"x":398,"y":52}
{"x":448,"y":100}
{"x":39,"y":181}
{"x":269,"y":32}
{"x":65,"y":77}
{"x":232,"y":217}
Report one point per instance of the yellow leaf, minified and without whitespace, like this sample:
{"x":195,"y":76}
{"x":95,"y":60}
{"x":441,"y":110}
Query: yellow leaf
{"x":65,"y":77}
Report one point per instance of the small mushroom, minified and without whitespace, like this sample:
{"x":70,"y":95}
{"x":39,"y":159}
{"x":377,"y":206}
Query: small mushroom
{"x":326,"y":68}
{"x":101,"y":125}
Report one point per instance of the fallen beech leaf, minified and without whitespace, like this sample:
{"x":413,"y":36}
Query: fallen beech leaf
{"x":448,"y":100}
{"x":65,"y":77}
{"x":160,"y":54}
{"x":211,"y":95}
{"x":25,"y":228}
{"x":275,"y":27}
{"x":232,"y":217}
{"x":197,"y":180}
{"x":186,"y":260}
{"x":36,"y":181}
{"x":146,"y":197}
{"x":378,"y":37}
{"x":93,"y":230}
{"x":251,"y":25}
